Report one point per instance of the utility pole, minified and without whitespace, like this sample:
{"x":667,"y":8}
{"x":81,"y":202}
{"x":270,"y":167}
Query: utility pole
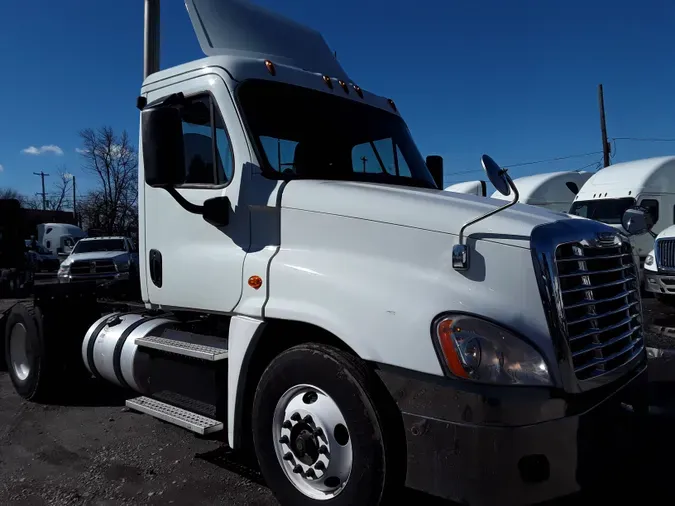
{"x":44,"y":194}
{"x":151,"y":38}
{"x":74,"y":208}
{"x":603,"y":127}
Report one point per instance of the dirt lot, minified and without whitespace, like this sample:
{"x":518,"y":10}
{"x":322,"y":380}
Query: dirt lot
{"x":96,"y":452}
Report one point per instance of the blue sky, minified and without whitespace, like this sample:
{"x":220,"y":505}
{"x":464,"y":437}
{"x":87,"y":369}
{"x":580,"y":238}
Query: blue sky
{"x":516,"y":79}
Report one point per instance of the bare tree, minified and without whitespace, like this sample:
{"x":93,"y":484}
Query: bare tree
{"x":10,"y":193}
{"x":113,"y":161}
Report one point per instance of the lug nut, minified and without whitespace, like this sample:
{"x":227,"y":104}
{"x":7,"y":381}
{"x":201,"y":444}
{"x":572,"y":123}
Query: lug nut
{"x":288,"y":456}
{"x":287,"y":424}
{"x":308,"y":419}
{"x":310,"y":473}
{"x":284,"y":440}
{"x":297,"y":469}
{"x":323,"y":450}
{"x":320,"y":466}
{"x":318,"y":432}
{"x":296,"y":417}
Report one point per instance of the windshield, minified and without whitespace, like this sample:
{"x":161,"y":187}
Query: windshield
{"x":302,"y":133}
{"x":608,"y":211}
{"x":99,"y":245}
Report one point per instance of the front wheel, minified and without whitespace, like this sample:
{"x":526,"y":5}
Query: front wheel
{"x":319,"y":434}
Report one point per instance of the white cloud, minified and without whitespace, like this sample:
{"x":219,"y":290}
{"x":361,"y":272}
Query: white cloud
{"x":49,"y":148}
{"x":81,"y":151}
{"x":1,"y":168}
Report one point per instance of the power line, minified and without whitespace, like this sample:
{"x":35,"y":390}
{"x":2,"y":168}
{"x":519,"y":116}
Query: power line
{"x":522,"y":164}
{"x":643,"y":139}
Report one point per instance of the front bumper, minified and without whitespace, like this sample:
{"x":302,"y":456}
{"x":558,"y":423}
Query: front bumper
{"x":113,"y":276}
{"x":486,"y":445}
{"x":658,"y":282}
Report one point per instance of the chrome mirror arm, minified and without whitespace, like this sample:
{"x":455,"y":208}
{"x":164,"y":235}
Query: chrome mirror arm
{"x":460,"y":252}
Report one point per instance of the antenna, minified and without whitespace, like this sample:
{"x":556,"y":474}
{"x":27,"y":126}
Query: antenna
{"x":151,"y":38}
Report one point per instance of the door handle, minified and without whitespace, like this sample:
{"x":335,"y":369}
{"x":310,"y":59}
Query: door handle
{"x":155,"y":266}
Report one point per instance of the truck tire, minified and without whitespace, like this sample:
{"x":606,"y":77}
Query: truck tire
{"x":320,"y":435}
{"x":25,"y":352}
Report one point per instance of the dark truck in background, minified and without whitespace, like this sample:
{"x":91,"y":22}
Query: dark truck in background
{"x":16,"y":271}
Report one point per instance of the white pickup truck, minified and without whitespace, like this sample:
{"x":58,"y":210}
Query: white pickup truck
{"x":100,"y":259}
{"x":346,"y":320}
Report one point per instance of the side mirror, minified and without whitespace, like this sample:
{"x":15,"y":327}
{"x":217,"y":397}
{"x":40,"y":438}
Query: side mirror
{"x":163,"y":154}
{"x":435,"y":166}
{"x":216,"y":211}
{"x":637,"y":220}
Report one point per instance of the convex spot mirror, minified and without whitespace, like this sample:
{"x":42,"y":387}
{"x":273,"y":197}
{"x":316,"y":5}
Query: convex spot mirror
{"x":496,"y":175}
{"x":637,"y":220}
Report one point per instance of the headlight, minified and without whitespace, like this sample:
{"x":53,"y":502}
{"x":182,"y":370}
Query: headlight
{"x":478,"y":350}
{"x":649,"y":260}
{"x":122,"y":266}
{"x":64,"y":269}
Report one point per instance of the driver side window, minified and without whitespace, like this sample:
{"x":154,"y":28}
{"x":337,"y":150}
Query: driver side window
{"x":205,"y":141}
{"x":652,"y":207}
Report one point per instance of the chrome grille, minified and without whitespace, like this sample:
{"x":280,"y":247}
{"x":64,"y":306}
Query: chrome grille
{"x":601,"y":306}
{"x":665,"y":253}
{"x":92,"y":267}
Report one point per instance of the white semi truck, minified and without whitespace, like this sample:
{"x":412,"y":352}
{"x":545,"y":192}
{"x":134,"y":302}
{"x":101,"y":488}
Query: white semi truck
{"x":356,"y":330}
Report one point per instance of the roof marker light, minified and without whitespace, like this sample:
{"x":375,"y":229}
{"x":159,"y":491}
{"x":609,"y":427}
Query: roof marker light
{"x":344,"y":86}
{"x":358,"y":90}
{"x":270,"y":67}
{"x":392,"y":104}
{"x":328,"y":82}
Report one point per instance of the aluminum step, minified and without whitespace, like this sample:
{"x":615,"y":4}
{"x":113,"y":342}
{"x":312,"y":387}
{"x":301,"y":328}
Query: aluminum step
{"x":177,"y":416}
{"x":188,"y":349}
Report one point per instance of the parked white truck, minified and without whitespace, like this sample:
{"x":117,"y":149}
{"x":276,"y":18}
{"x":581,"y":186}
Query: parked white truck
{"x":554,"y":191}
{"x":659,"y":267}
{"x":342,"y":324}
{"x":649,"y":183}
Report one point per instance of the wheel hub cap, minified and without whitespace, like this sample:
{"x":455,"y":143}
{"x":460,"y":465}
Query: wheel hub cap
{"x":19,"y":351}
{"x":312,"y":442}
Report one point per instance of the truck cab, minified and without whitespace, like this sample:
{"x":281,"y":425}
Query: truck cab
{"x":554,"y":191}
{"x":469,"y":188}
{"x":310,"y":291}
{"x":649,"y":183}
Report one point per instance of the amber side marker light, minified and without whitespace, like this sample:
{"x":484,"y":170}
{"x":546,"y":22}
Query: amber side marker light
{"x":392,"y":104}
{"x":255,"y":282}
{"x":358,"y":90}
{"x":343,"y":85}
{"x":328,"y":82}
{"x":444,"y":331}
{"x":270,"y":67}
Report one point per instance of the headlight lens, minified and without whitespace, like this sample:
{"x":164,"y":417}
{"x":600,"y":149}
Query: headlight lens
{"x":649,"y":260}
{"x":478,"y":350}
{"x":64,"y":269}
{"x":122,"y":266}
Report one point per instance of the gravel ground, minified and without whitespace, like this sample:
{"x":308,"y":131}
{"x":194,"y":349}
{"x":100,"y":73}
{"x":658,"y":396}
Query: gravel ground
{"x":93,"y":451}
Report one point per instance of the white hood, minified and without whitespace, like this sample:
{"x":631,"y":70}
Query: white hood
{"x":96,"y":255}
{"x":667,"y":232}
{"x":419,"y":208}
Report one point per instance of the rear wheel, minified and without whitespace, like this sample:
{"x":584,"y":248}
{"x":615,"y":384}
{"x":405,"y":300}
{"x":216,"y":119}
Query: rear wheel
{"x":24,"y":351}
{"x":319,"y":433}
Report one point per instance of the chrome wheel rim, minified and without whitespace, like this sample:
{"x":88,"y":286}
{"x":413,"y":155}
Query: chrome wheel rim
{"x":19,"y":352}
{"x":312,"y":442}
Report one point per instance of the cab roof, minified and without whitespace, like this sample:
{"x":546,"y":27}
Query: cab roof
{"x":239,"y":37}
{"x":629,"y":179}
{"x":550,"y":187}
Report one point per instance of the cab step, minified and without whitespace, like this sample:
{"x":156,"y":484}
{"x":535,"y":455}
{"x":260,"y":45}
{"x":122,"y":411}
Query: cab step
{"x":177,"y":416}
{"x":188,"y":344}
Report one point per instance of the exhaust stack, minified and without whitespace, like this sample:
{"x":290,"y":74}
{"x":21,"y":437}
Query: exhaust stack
{"x":151,"y":38}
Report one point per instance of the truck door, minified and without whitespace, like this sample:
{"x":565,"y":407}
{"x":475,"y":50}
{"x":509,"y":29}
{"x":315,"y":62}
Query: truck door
{"x":188,"y":262}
